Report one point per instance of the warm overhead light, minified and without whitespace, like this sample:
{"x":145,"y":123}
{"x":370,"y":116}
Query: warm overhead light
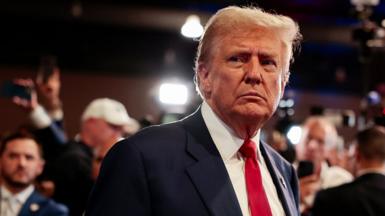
{"x":294,"y":134}
{"x":173,"y":94}
{"x":192,"y":28}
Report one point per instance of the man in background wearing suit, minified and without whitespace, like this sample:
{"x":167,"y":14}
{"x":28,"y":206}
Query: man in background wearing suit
{"x":213,"y":162}
{"x":366,"y":194}
{"x":20,"y":163}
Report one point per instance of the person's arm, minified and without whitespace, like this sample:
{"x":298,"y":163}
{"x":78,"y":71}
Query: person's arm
{"x":308,"y":187}
{"x":50,"y":134}
{"x":122,"y":187}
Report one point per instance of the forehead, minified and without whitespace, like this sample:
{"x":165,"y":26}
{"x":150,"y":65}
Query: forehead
{"x":251,"y":38}
{"x":317,"y":130}
{"x":23,"y":146}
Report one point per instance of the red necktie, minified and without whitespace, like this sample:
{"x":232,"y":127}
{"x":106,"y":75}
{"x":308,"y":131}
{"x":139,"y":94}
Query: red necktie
{"x":258,"y":202}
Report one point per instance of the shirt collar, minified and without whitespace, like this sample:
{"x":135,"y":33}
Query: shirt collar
{"x":20,"y":197}
{"x":223,"y":136}
{"x":380,"y":170}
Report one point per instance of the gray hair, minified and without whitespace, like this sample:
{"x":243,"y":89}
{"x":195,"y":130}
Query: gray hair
{"x":234,"y":17}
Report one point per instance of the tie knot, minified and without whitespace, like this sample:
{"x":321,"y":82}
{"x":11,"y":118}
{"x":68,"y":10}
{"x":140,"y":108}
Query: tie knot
{"x":248,"y":149}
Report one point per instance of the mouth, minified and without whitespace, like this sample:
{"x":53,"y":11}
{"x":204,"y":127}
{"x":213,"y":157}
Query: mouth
{"x":20,"y":173}
{"x":253,"y":95}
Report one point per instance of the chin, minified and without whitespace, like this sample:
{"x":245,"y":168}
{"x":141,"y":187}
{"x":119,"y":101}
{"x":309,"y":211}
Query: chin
{"x":254,"y":112}
{"x":20,"y":183}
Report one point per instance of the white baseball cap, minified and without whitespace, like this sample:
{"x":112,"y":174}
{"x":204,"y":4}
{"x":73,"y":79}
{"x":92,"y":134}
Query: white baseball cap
{"x":107,"y":109}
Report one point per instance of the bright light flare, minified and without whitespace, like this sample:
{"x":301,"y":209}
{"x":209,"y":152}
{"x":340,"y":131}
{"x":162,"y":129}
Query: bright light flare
{"x":192,"y":28}
{"x":173,"y":94}
{"x":294,"y":134}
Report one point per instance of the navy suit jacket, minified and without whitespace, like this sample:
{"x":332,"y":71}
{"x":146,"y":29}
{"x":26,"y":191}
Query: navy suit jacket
{"x":38,"y":205}
{"x":176,"y":169}
{"x":363,"y":196}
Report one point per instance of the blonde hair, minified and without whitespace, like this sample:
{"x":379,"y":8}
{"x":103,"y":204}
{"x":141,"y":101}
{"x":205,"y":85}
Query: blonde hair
{"x":233,"y":17}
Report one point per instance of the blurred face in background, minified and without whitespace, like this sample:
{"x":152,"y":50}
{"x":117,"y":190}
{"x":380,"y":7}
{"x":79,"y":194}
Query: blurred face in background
{"x":95,"y":132}
{"x":315,"y":144}
{"x":20,"y":163}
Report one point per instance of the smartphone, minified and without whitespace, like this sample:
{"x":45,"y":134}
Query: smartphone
{"x":10,"y":89}
{"x":305,"y":168}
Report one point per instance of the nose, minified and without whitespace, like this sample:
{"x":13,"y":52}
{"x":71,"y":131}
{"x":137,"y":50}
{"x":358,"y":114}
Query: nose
{"x":312,"y":144}
{"x":22,"y":161}
{"x":253,"y":71}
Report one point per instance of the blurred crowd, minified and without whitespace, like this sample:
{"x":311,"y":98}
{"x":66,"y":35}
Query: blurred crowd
{"x":45,"y":160}
{"x":336,"y":177}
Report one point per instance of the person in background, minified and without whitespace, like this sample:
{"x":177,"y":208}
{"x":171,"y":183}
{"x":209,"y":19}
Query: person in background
{"x":319,"y":137}
{"x":99,"y":153}
{"x":282,"y":145}
{"x":366,"y":194}
{"x":213,"y":162}
{"x":45,"y":112}
{"x":102,"y":125}
{"x":45,"y":107}
{"x":21,"y":161}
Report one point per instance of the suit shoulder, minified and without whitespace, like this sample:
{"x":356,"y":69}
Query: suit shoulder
{"x":45,"y":206}
{"x":155,"y":137}
{"x":55,"y":208}
{"x":338,"y":191}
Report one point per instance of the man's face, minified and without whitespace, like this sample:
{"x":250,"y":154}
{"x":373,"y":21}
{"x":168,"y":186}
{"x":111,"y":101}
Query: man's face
{"x":315,"y":144}
{"x":243,"y":79}
{"x":95,"y":132}
{"x":20,"y":163}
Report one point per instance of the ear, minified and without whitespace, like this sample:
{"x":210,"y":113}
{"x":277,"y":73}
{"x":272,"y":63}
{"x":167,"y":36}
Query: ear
{"x":283,"y":85}
{"x":40,"y":167}
{"x":203,"y":79}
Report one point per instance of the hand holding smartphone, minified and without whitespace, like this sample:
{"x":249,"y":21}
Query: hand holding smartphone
{"x":305,"y":168}
{"x":10,"y":89}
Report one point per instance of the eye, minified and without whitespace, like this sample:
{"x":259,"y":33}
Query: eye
{"x":29,"y":157}
{"x":269,"y":63}
{"x":238,"y":59}
{"x":235,"y":59}
{"x":12,"y":156}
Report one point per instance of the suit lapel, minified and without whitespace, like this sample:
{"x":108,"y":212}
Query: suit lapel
{"x":209,"y":174}
{"x":32,"y":205}
{"x":279,"y":181}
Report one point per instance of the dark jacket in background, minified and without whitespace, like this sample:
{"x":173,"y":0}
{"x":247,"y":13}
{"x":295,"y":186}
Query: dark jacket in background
{"x":71,"y":174}
{"x":38,"y":205}
{"x":365,"y":196}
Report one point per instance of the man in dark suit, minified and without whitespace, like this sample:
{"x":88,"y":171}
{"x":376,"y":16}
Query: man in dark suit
{"x":20,"y":163}
{"x":213,"y":162}
{"x":366,"y":194}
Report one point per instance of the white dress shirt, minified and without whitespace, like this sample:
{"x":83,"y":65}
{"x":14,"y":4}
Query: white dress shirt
{"x":11,"y":204}
{"x":228,"y":145}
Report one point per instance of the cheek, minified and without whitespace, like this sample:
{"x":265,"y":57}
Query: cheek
{"x":38,"y":169}
{"x":275,"y":89}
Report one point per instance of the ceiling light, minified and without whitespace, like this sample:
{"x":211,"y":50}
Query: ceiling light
{"x":173,"y":94}
{"x":192,"y":28}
